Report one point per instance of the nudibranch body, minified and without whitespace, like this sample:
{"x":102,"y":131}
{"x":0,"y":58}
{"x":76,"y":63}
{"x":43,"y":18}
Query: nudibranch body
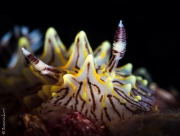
{"x":89,"y":84}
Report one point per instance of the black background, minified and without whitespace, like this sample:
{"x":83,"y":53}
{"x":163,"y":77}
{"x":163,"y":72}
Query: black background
{"x":153,"y":29}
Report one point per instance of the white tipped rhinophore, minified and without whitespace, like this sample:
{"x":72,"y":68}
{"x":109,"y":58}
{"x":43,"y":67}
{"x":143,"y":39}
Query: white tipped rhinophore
{"x":120,"y":44}
{"x":119,"y":48}
{"x":25,"y":52}
{"x":121,"y":24}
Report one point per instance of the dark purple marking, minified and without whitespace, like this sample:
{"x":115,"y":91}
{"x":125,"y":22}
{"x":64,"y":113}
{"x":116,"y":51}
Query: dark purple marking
{"x":111,"y":68}
{"x":77,"y":44}
{"x":120,"y":34}
{"x":77,"y":94}
{"x":111,"y":60}
{"x":86,"y":112}
{"x":32,"y":59}
{"x":73,"y":95}
{"x":68,"y":101}
{"x":138,"y":93}
{"x":86,"y":45}
{"x":124,"y":105}
{"x":135,"y":92}
{"x":102,"y":80}
{"x":82,"y":106}
{"x":88,"y":66}
{"x":117,"y":82}
{"x":114,"y":107}
{"x":99,"y":91}
{"x":129,"y":100}
{"x":101,"y":98}
{"x":90,"y":87}
{"x":144,"y":88}
{"x":118,"y":74}
{"x":59,"y":103}
{"x":92,"y":95}
{"x":121,"y":53}
{"x":106,"y":113}
{"x":52,"y":56}
{"x":75,"y":80}
{"x":63,"y":96}
{"x":115,"y":51}
{"x":52,"y":70}
{"x":93,"y":114}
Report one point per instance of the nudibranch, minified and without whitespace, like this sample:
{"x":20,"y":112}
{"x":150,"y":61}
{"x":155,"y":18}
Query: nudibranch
{"x":17,"y":81}
{"x":16,"y":78}
{"x":9,"y":43}
{"x":89,"y":84}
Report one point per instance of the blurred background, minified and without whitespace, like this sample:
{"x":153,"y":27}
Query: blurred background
{"x":153,"y":30}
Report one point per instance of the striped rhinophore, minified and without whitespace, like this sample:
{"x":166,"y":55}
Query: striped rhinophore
{"x":88,"y":83}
